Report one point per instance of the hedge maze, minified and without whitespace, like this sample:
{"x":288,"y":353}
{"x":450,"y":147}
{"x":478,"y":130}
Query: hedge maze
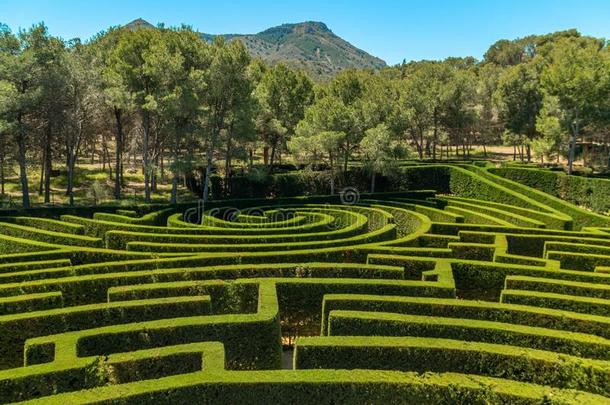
{"x":472,"y":289}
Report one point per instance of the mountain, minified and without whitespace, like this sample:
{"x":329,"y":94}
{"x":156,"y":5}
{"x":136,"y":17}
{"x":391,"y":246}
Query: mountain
{"x":139,"y":23}
{"x":309,"y":45}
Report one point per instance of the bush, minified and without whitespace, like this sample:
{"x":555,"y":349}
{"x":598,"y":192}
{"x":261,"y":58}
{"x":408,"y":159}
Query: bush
{"x":445,"y":355}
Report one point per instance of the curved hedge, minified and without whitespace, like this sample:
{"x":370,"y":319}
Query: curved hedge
{"x":480,"y":294}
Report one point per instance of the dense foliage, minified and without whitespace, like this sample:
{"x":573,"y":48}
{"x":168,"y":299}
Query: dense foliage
{"x":474,"y":289}
{"x":174,"y":103}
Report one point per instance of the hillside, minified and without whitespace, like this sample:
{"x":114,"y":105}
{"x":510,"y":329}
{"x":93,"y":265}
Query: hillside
{"x":309,"y":45}
{"x":139,"y":23}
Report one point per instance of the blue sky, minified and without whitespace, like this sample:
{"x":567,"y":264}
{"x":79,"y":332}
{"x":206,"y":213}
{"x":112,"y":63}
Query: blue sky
{"x":391,"y":29}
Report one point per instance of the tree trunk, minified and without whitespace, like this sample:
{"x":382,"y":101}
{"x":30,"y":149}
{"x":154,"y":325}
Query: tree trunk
{"x":2,"y":170}
{"x":521,"y":153}
{"x":23,"y":174}
{"x":229,"y":151}
{"x":175,"y":173}
{"x":266,"y":155}
{"x":118,"y":178}
{"x":272,"y":158}
{"x":71,"y":164}
{"x":162,"y":164}
{"x":435,"y":138}
{"x":153,"y":175}
{"x":419,"y":147}
{"x":145,"y":157}
{"x":373,"y":182}
{"x":48,"y":158}
{"x":572,"y":145}
{"x":332,"y":174}
{"x":346,"y":157}
{"x":208,"y":172}
{"x":529,"y":153}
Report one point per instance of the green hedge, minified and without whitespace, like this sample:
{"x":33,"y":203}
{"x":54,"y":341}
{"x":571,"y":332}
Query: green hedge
{"x":582,"y":191}
{"x":30,"y":302}
{"x":51,"y":237}
{"x":537,"y":215}
{"x":362,"y":323}
{"x":352,"y":224}
{"x":588,"y":305}
{"x":19,"y":266}
{"x":46,"y":224}
{"x":558,"y":286}
{"x":466,"y":309}
{"x":581,"y":217}
{"x":445,"y":355}
{"x":579,"y":261}
{"x":90,"y":283}
{"x":89,"y":372}
{"x":326,"y":387}
{"x":155,"y":218}
{"x":252,"y":341}
{"x":498,"y":211}
{"x":16,"y":328}
{"x":388,"y":232}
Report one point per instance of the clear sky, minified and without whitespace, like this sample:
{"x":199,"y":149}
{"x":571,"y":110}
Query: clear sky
{"x":390,"y":29}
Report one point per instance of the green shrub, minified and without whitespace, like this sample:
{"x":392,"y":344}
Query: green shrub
{"x":589,"y":305}
{"x":582,"y":191}
{"x":467,"y":309}
{"x":359,"y":323}
{"x":445,"y":355}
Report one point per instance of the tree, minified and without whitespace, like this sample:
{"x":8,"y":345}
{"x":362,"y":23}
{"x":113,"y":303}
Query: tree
{"x":379,"y":151}
{"x":142,"y":62}
{"x":115,"y":94}
{"x":576,"y":76}
{"x":228,"y":85}
{"x":315,"y":148}
{"x":519,"y":99}
{"x":283,"y":94}
{"x":488,"y":126}
{"x":352,"y":102}
{"x":458,"y":112}
{"x":83,"y":104}
{"x":181,"y":103}
{"x":5,"y":130}
{"x":549,"y":124}
{"x":50,"y":54}
{"x":421,"y":104}
{"x":22,"y":67}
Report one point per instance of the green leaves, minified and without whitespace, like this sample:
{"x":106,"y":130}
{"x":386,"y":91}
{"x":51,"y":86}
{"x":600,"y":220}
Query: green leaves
{"x":577,"y":74}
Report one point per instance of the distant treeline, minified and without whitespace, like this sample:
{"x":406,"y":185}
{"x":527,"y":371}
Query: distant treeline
{"x":176,"y":102}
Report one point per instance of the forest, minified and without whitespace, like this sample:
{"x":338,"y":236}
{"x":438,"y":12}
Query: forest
{"x":146,"y":113}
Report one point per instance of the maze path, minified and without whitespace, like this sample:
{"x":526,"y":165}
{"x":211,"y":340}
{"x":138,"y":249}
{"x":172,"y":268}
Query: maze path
{"x":408,"y":298}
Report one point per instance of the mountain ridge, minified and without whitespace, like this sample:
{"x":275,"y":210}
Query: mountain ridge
{"x":308,"y":45}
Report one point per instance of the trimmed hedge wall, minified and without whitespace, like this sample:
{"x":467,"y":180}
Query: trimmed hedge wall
{"x":587,"y":192}
{"x":446,"y":355}
{"x":361,"y":323}
{"x":328,"y":386}
{"x":392,"y":280}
